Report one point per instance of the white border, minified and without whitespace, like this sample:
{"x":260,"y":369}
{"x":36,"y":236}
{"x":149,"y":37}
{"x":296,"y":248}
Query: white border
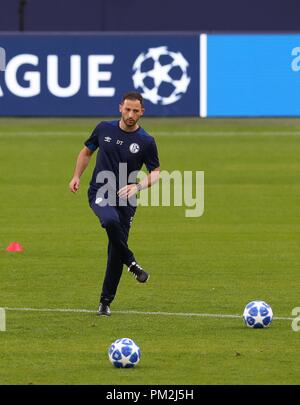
{"x":203,"y":75}
{"x":133,"y":312}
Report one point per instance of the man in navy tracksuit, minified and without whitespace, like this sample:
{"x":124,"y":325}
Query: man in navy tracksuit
{"x":123,"y":147}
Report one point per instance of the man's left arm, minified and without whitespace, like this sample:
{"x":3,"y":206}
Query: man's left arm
{"x":130,"y":189}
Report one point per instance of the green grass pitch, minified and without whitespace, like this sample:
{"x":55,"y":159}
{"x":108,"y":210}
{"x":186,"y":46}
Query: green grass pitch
{"x":244,"y":247}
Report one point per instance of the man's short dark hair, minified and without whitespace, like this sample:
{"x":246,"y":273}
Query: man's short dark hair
{"x":132,"y":95}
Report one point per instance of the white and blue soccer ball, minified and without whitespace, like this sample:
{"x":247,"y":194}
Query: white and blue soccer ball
{"x":124,"y":353}
{"x":258,"y":314}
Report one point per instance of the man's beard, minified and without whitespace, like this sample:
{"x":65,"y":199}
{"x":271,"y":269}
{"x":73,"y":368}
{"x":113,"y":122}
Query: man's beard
{"x":130,"y":122}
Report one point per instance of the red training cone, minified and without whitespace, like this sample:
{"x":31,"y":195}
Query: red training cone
{"x":14,"y":247}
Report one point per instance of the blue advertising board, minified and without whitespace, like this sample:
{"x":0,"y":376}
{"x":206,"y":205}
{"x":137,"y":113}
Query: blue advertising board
{"x":86,"y":75}
{"x":178,"y":74}
{"x":253,"y":75}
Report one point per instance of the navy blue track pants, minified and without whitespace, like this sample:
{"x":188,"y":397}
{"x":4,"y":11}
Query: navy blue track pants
{"x":116,"y":221}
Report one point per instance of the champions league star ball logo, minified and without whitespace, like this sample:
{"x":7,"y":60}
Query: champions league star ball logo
{"x":161,"y":75}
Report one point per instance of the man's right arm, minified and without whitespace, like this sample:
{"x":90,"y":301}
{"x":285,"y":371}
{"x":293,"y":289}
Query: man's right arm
{"x":81,"y":164}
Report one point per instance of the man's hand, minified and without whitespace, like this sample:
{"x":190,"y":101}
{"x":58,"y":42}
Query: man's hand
{"x":74,"y":184}
{"x":132,"y":189}
{"x":81,"y":164}
{"x":127,"y":191}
